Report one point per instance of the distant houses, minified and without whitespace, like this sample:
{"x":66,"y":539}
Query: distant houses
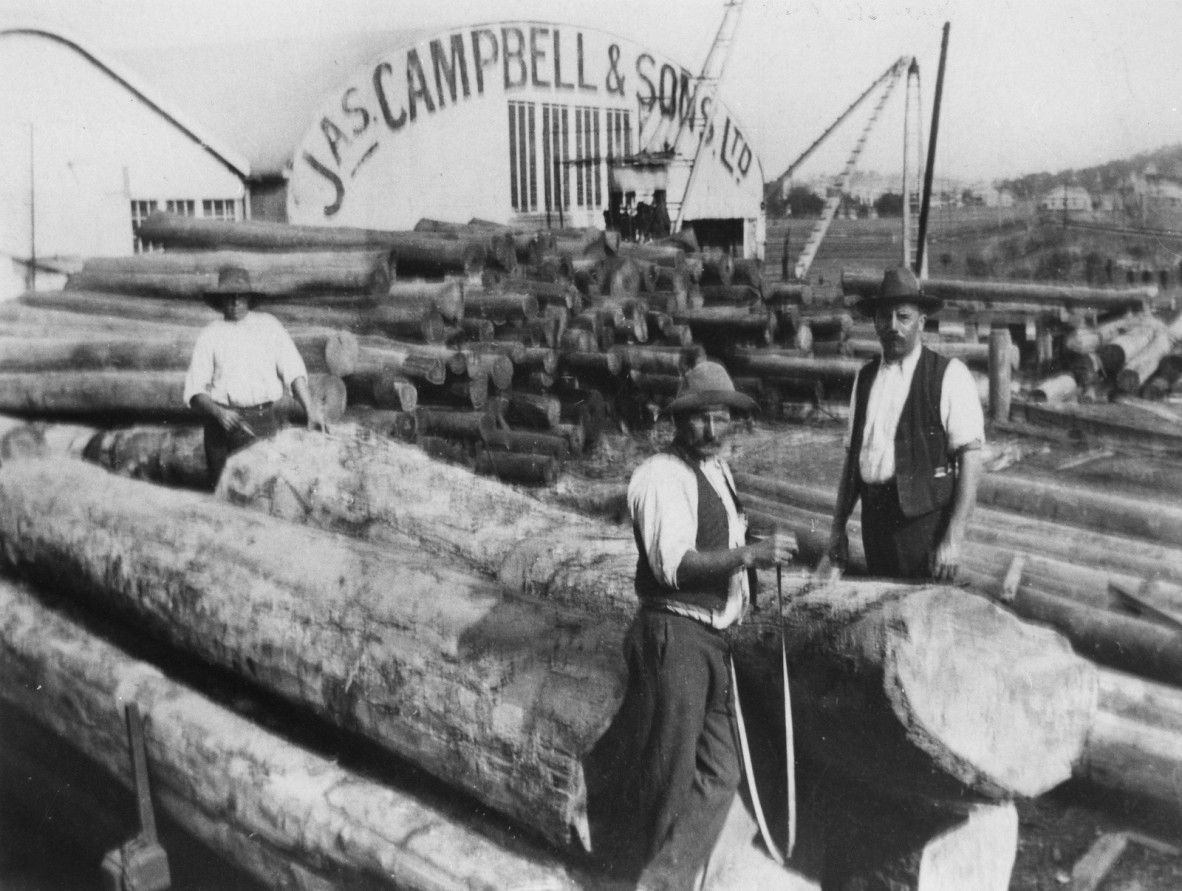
{"x":1066,"y":198}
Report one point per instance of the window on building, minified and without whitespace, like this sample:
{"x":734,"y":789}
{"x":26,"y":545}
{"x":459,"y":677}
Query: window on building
{"x":220,"y":208}
{"x":185,"y":207}
{"x":588,"y":184}
{"x":140,"y":211}
{"x":619,"y":133}
{"x":556,"y":156}
{"x":523,"y":160}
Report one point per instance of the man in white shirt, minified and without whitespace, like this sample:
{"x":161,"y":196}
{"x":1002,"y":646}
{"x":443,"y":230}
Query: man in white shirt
{"x":678,"y":719}
{"x":914,"y":445}
{"x":242,"y":365}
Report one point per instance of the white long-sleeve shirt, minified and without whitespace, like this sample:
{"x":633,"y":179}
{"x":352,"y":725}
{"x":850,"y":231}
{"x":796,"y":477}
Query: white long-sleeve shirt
{"x":663,"y":502}
{"x":960,"y":413}
{"x":245,"y":363}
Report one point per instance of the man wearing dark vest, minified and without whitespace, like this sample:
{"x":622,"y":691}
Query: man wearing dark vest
{"x":691,"y":578}
{"x":914,"y":449}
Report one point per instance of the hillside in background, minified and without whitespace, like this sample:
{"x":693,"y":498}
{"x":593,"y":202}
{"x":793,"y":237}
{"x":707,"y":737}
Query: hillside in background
{"x":1102,"y":178}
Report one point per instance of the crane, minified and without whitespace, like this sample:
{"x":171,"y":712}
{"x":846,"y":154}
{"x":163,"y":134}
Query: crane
{"x":837,"y":191}
{"x":661,"y":136}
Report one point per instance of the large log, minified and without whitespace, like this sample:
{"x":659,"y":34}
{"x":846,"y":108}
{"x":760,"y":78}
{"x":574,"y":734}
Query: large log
{"x":784,"y":364}
{"x":430,"y":662}
{"x":377,"y":354}
{"x":172,"y":455}
{"x":147,"y":395}
{"x":446,"y":297}
{"x":1135,"y":744}
{"x":978,"y":291}
{"x":1158,"y":520}
{"x":1140,"y":365}
{"x":330,"y":352}
{"x":886,"y":648}
{"x":1104,"y":424}
{"x":277,"y":809}
{"x":756,"y":325}
{"x":150,"y":309}
{"x":366,"y":272}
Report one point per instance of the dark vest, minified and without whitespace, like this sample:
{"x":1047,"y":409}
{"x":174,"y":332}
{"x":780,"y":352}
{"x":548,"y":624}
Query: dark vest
{"x":713,"y":532}
{"x":923,"y":472}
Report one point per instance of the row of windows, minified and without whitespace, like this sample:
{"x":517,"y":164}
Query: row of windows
{"x":578,"y":137}
{"x":211,"y":209}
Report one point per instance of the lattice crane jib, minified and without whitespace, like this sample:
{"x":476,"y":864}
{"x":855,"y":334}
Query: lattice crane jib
{"x":677,"y":139}
{"x":840,"y":187}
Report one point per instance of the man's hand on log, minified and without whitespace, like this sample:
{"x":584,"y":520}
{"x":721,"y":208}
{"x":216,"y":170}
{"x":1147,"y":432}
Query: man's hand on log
{"x":946,"y":560}
{"x":779,"y":546}
{"x":316,"y":419}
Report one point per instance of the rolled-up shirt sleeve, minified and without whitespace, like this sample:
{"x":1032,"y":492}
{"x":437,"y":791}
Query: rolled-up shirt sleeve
{"x":960,"y":408}
{"x":199,"y":377}
{"x":663,"y":501}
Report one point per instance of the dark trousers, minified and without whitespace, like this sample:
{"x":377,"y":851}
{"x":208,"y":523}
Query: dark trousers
{"x":220,"y":444}
{"x":678,"y":762}
{"x":898,"y":546}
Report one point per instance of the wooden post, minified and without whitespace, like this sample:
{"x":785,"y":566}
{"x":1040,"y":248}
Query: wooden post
{"x":999,"y":374}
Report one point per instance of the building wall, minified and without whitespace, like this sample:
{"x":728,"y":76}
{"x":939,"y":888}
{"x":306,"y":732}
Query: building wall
{"x":81,"y":147}
{"x":512,"y":121}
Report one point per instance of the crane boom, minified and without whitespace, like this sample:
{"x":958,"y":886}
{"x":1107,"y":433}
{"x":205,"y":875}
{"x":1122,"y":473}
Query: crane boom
{"x":841,"y":185}
{"x":787,"y":174}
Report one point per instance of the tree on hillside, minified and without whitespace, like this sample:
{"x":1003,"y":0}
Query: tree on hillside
{"x":804,"y":202}
{"x":889,"y":204}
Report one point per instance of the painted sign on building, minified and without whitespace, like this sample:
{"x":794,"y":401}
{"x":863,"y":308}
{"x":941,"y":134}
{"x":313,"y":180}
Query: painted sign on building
{"x":513,"y":121}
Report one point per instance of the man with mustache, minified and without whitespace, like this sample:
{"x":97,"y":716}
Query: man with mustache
{"x":914,"y":447}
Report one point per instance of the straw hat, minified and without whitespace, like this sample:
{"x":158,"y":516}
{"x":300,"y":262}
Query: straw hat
{"x":705,"y":385}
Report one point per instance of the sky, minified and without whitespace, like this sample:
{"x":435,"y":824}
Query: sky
{"x":1030,"y":86}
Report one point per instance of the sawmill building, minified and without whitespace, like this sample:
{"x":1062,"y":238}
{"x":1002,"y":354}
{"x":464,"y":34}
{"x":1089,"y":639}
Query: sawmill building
{"x":89,"y":149}
{"x":511,"y":122}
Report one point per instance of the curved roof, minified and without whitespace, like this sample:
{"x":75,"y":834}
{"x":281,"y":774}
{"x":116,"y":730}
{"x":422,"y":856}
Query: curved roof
{"x":216,"y":146}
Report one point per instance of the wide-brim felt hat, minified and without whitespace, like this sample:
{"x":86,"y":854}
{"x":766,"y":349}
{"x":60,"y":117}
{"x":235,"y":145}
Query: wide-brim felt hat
{"x":707,"y":385}
{"x":233,"y":281}
{"x":899,"y":285}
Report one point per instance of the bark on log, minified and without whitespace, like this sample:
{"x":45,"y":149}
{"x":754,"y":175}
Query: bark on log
{"x":31,"y":321}
{"x":1140,"y":365}
{"x":477,"y":329}
{"x":468,"y":392}
{"x":498,"y":368}
{"x":529,"y":410}
{"x":449,"y":449}
{"x":975,"y":731}
{"x":454,"y":423}
{"x":1100,"y":424}
{"x":658,"y":359}
{"x":730,"y":295}
{"x":446,"y":297}
{"x":21,"y":441}
{"x":173,"y":456}
{"x":531,"y":442}
{"x":1159,"y":521}
{"x":718,"y":267}
{"x":422,"y":323}
{"x":400,"y":425}
{"x":382,"y":388}
{"x":515,"y":467}
{"x":1135,"y":744}
{"x":276,"y":809}
{"x":375,"y":355}
{"x":94,"y":303}
{"x":1013,"y":292}
{"x":500,"y":305}
{"x":1115,"y":353}
{"x":448,"y":674}
{"x":779,"y":364}
{"x":177,"y":231}
{"x":724,"y":321}
{"x":359,"y":271}
{"x":148,"y":395}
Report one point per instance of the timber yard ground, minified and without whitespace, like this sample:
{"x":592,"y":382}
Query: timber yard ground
{"x":54,"y":829}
